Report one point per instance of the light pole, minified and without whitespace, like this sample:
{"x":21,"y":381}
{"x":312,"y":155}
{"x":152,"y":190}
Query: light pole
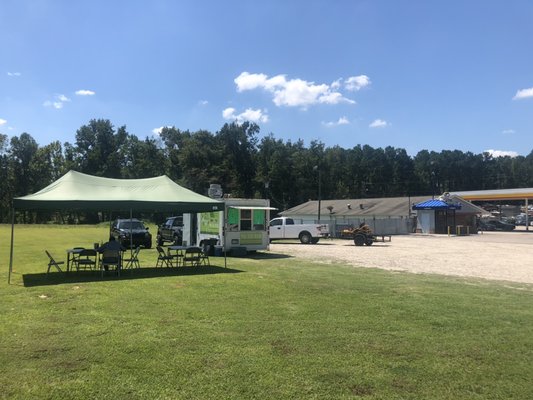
{"x":267,"y":184}
{"x":317,"y":168}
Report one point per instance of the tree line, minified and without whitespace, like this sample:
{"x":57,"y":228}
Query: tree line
{"x":286,"y":172}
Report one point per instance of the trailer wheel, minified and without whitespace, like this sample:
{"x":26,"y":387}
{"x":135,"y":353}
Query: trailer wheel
{"x":359,"y":239}
{"x":305,"y":237}
{"x":369,"y":242}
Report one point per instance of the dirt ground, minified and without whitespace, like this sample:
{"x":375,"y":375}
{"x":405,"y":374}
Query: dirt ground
{"x":502,"y":256}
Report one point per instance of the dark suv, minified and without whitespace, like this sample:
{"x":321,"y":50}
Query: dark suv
{"x":496,"y":225}
{"x":126,"y":230}
{"x":170,"y":231}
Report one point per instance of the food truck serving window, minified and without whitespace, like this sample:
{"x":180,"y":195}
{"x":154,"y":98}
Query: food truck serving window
{"x":246,"y":220}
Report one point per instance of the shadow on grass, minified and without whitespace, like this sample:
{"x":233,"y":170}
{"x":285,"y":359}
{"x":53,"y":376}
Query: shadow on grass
{"x":58,"y":278}
{"x":266,"y":256}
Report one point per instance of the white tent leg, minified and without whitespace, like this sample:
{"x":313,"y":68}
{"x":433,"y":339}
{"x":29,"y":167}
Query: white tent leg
{"x":131,"y":233}
{"x":11,"y":249}
{"x":224,"y":235}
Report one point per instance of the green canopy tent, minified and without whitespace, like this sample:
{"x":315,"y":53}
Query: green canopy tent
{"x":77,"y":191}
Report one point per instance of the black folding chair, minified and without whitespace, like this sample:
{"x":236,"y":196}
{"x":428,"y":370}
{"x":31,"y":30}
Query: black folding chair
{"x":192,"y":256}
{"x":204,"y":257}
{"x":86,"y":259}
{"x":110,"y":258}
{"x":53,"y":263}
{"x":163,"y":259}
{"x":133,"y":262}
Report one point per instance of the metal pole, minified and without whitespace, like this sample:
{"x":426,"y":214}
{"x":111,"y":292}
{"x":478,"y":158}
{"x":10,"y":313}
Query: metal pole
{"x":319,"y":193}
{"x":131,"y":233}
{"x":527,"y":214}
{"x":317,"y":168}
{"x":224,"y":235}
{"x":11,"y":250}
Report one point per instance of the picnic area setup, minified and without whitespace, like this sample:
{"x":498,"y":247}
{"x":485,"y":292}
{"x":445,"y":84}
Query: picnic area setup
{"x":78,"y":191}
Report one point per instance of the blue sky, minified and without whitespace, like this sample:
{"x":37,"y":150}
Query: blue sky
{"x":411,"y":74}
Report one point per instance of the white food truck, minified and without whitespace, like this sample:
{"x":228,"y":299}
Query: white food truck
{"x":245,"y":222}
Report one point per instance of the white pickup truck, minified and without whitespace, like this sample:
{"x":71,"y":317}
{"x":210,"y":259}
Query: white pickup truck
{"x":285,"y":228}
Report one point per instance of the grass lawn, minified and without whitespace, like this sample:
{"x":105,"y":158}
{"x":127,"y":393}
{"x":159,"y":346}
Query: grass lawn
{"x":268,"y":327}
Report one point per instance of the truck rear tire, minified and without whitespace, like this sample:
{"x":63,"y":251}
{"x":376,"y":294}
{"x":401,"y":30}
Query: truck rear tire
{"x":359,"y":239}
{"x":305,"y":237}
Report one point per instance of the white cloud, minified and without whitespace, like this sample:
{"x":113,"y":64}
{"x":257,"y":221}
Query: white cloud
{"x":355,"y":83}
{"x":84,"y":92}
{"x":2,"y":122}
{"x":502,"y":153}
{"x":203,"y":102}
{"x":378,"y":123}
{"x":157,"y":131}
{"x":228,"y":113}
{"x":341,"y":121}
{"x":55,"y":104}
{"x":247,"y":81}
{"x":523,"y":94}
{"x":293,"y":92}
{"x":248,"y":115}
{"x":58,"y":102}
{"x":336,"y":84}
{"x":508,"y":131}
{"x":14,"y":74}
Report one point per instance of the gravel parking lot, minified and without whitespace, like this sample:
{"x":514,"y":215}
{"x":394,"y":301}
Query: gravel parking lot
{"x":503,"y":256}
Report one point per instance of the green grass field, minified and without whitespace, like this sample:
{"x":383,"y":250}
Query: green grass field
{"x":268,"y":327}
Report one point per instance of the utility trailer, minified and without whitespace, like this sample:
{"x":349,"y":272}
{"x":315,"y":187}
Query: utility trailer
{"x":363,"y":235}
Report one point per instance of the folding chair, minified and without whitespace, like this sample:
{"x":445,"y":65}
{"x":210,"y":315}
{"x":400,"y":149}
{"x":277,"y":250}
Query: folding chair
{"x":192,"y":256}
{"x":204,"y":257}
{"x":75,"y":254}
{"x":162,"y":258}
{"x":86,"y":259}
{"x":133,"y":262}
{"x":110,"y":258}
{"x":53,"y":263}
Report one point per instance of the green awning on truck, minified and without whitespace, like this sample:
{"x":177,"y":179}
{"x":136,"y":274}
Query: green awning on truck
{"x":252,"y":208}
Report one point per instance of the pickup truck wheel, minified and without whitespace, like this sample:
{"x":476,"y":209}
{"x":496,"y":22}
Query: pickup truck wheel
{"x":359,"y":239}
{"x":315,"y":240}
{"x":305,"y":237}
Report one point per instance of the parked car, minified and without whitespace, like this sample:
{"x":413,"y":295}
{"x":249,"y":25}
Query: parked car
{"x":170,"y":231}
{"x":521,"y":220}
{"x":131,"y":233}
{"x":496,"y":225}
{"x":483,"y":226}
